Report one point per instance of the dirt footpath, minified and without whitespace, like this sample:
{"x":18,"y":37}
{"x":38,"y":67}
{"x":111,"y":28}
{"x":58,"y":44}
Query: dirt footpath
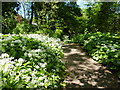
{"x":84,"y":72}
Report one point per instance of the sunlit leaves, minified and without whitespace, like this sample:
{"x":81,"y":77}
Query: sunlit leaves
{"x":103,"y":47}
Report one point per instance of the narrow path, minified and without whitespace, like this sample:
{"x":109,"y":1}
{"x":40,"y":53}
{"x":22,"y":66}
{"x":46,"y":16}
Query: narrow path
{"x":84,"y":72}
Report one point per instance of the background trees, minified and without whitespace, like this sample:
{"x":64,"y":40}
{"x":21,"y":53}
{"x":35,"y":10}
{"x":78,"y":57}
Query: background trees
{"x":103,"y":17}
{"x":8,"y":13}
{"x":63,"y":18}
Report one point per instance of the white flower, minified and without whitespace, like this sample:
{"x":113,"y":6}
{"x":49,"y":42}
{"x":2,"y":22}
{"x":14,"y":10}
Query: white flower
{"x":25,"y":54}
{"x":29,"y":54}
{"x":28,"y":79}
{"x":12,"y":73}
{"x":41,"y":83}
{"x":12,"y":44}
{"x":25,"y":77}
{"x":2,"y":61}
{"x":11,"y":65}
{"x":20,"y":60}
{"x":18,"y":41}
{"x":8,"y":38}
{"x":43,"y":64}
{"x":29,"y":69}
{"x":37,"y":67}
{"x":18,"y":64}
{"x":53,"y":76}
{"x":6,"y":68}
{"x":38,"y":50}
{"x":33,"y":74}
{"x":46,"y":80}
{"x":4,"y":55}
{"x":41,"y":78}
{"x":22,"y":71}
{"x":5,"y":61}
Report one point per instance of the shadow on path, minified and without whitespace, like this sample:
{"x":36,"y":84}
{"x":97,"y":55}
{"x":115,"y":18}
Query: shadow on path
{"x":84,"y":72}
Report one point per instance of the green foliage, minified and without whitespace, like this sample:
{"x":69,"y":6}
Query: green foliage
{"x":8,"y":16}
{"x":9,"y":6}
{"x":58,"y":33}
{"x":22,"y":28}
{"x":57,"y":18}
{"x":8,"y":23}
{"x":103,"y":17}
{"x":31,"y":61}
{"x":45,"y":29}
{"x":103,"y":47}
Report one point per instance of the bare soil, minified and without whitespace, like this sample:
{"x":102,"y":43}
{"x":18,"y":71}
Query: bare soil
{"x":84,"y":72}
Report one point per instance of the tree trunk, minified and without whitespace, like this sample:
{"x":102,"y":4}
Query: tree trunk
{"x":31,"y":13}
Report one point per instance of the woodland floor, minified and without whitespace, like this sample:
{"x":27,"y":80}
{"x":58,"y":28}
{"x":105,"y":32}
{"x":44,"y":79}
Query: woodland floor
{"x":84,"y":72}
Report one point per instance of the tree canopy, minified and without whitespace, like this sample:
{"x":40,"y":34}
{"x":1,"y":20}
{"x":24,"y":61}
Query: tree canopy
{"x":61,"y":18}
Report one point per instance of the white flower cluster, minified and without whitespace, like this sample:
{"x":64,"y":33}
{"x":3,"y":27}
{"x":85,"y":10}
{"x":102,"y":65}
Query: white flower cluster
{"x":53,"y":42}
{"x":9,"y":67}
{"x":41,"y":57}
{"x":43,"y":64}
{"x":16,"y":41}
{"x":5,"y":64}
{"x":32,"y":78}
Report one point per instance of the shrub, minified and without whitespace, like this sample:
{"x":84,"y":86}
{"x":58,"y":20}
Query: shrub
{"x":8,"y":23}
{"x":22,"y":28}
{"x":103,"y":47}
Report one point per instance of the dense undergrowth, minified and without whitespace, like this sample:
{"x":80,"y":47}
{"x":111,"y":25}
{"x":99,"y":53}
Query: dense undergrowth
{"x":103,"y":47}
{"x":31,"y":61}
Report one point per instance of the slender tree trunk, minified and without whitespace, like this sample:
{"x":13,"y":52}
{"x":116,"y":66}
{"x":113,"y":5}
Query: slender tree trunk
{"x":31,"y":13}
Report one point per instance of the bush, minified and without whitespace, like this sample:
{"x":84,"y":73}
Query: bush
{"x":8,"y":23}
{"x":22,"y":28}
{"x":51,"y":33}
{"x":34,"y":59}
{"x":103,"y":47}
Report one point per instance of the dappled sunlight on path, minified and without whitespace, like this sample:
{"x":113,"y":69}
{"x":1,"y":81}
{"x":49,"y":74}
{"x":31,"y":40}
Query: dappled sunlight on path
{"x":84,"y":71}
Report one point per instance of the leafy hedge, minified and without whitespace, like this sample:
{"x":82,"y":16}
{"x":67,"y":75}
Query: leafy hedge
{"x":31,"y":61}
{"x":103,"y":47}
